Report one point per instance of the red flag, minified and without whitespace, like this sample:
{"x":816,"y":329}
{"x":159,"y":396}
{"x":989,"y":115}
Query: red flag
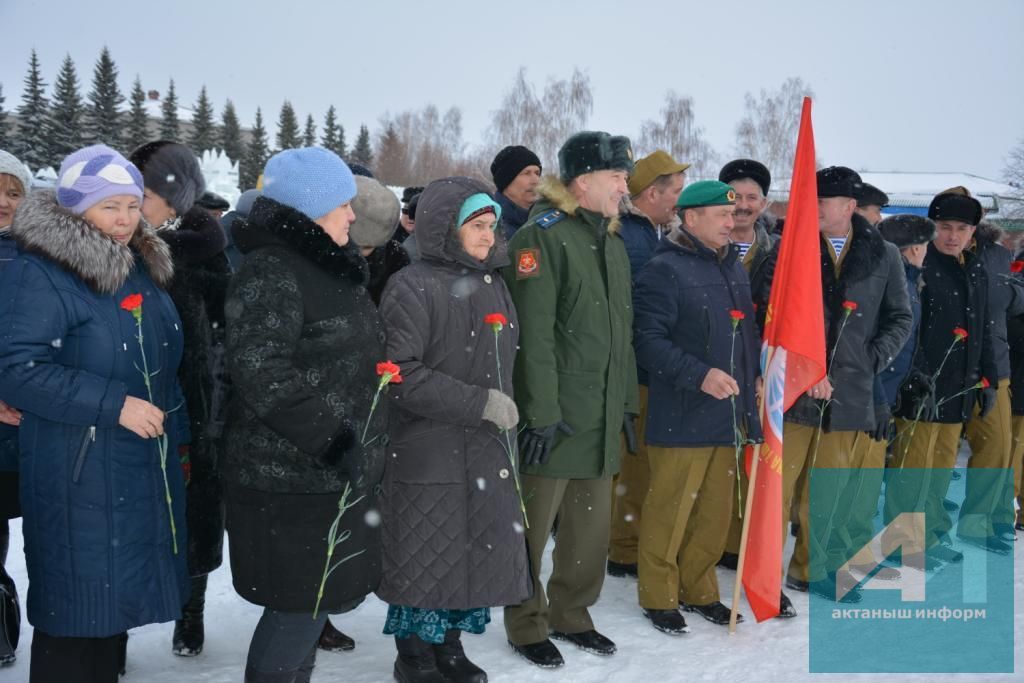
{"x":792,"y":360}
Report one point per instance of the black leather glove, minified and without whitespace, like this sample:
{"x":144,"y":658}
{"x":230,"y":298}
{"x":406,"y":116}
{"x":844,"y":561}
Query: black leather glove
{"x":987,"y":400}
{"x":629,"y":430}
{"x":919,"y":389}
{"x":535,"y":444}
{"x":919,"y":385}
{"x":882,"y":418}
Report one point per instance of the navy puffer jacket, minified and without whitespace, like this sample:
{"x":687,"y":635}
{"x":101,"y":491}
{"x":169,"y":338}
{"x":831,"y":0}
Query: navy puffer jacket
{"x":98,"y":541}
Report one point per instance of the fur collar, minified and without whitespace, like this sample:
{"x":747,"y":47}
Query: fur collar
{"x":865,"y":249}
{"x":629,"y":208}
{"x":682,"y":239}
{"x":273,"y":223}
{"x":556,"y":192}
{"x":987,"y":233}
{"x":44,"y":227}
{"x":198,"y":238}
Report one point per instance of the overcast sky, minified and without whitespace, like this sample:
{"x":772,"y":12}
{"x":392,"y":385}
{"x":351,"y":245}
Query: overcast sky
{"x":933,"y":85}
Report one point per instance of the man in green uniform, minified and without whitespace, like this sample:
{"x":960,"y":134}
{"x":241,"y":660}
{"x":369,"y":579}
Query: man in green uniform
{"x":575,"y":385}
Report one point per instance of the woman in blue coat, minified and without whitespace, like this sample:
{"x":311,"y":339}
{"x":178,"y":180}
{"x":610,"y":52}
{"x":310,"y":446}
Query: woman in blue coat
{"x":101,"y":552}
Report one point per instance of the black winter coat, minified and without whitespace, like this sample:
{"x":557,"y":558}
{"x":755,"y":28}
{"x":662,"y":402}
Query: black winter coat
{"x":303,"y":342}
{"x":682,"y":329}
{"x":954,"y":295}
{"x":383,"y":262}
{"x":871,"y":276}
{"x":1005,"y":296}
{"x":201,"y":275}
{"x":452,"y":526}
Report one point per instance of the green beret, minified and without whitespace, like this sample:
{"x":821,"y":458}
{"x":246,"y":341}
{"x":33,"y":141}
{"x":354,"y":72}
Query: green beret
{"x":594,"y":151}
{"x":706,"y":193}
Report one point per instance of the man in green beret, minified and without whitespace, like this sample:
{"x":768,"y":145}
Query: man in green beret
{"x":575,"y":386}
{"x":696,"y":336}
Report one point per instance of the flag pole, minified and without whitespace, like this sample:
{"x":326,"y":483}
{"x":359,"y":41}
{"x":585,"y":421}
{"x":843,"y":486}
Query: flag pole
{"x":748,"y":505}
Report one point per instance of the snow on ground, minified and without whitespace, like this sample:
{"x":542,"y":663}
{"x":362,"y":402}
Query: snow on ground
{"x":775,"y":650}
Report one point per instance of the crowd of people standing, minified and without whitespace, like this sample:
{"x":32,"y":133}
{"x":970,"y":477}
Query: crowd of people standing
{"x":407,"y":397}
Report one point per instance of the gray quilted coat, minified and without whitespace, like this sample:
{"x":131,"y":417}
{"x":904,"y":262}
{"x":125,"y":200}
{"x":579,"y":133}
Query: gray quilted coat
{"x":451,"y":524}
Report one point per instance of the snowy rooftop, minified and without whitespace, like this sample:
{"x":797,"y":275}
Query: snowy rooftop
{"x":903,"y":184}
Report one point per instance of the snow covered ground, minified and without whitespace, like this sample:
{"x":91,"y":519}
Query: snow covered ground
{"x":775,"y":650}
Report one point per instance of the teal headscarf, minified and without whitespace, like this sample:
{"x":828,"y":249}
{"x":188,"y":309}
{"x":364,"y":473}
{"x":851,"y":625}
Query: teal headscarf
{"x":474,"y":205}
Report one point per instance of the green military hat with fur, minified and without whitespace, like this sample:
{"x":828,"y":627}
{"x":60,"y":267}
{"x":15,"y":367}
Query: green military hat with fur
{"x":594,"y":151}
{"x":706,"y":193}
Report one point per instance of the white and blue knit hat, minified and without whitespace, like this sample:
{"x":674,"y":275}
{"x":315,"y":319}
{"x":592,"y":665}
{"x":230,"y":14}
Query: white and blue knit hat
{"x":313,"y":180}
{"x":90,"y":175}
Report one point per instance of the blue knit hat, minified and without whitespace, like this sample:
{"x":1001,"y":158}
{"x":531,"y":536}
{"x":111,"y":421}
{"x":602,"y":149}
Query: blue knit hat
{"x":90,"y":175}
{"x":477,"y":204}
{"x":312,"y":180}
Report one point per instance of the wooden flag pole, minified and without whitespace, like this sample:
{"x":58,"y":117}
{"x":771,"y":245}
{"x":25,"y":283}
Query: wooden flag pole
{"x":743,"y":539}
{"x":748,"y":505}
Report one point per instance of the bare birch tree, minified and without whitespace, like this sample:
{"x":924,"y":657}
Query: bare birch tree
{"x":678,"y":134}
{"x":541,"y":122}
{"x":768,"y":130}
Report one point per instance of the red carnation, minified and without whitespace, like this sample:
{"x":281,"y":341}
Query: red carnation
{"x":131,"y":302}
{"x":960,"y":333}
{"x":736,"y":315}
{"x":850,"y":305}
{"x":984,"y":383}
{"x":1017,"y":266}
{"x":390,"y":371}
{"x":496,"y":318}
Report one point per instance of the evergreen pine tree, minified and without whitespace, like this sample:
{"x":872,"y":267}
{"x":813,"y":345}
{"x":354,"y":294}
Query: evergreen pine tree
{"x":5,"y":139}
{"x":32,"y":142}
{"x":334,"y":135}
{"x":204,"y":131}
{"x":103,"y":116}
{"x":230,"y":138}
{"x":309,"y":136}
{"x":170,"y":129}
{"x":66,"y":130}
{"x":362,"y":153}
{"x":256,"y":155}
{"x":137,"y":129}
{"x":288,"y":128}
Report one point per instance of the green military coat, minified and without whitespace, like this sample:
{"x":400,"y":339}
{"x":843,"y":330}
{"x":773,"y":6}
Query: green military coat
{"x":570,"y":282}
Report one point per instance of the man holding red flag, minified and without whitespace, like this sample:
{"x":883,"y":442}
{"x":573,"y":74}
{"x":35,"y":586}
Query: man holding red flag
{"x":867,"y":319}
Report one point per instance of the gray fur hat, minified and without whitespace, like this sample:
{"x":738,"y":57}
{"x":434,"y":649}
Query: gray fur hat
{"x":376,"y":208}
{"x":172,"y":171}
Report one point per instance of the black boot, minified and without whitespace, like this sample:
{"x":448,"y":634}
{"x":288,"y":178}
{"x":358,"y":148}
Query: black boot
{"x":415,"y":662}
{"x":122,"y":654}
{"x":333,"y":640}
{"x":188,"y":632}
{"x":452,"y":662}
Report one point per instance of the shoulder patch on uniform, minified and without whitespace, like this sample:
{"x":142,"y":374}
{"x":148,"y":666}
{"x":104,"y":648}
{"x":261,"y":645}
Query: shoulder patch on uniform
{"x":548,"y":218}
{"x":527,"y":263}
